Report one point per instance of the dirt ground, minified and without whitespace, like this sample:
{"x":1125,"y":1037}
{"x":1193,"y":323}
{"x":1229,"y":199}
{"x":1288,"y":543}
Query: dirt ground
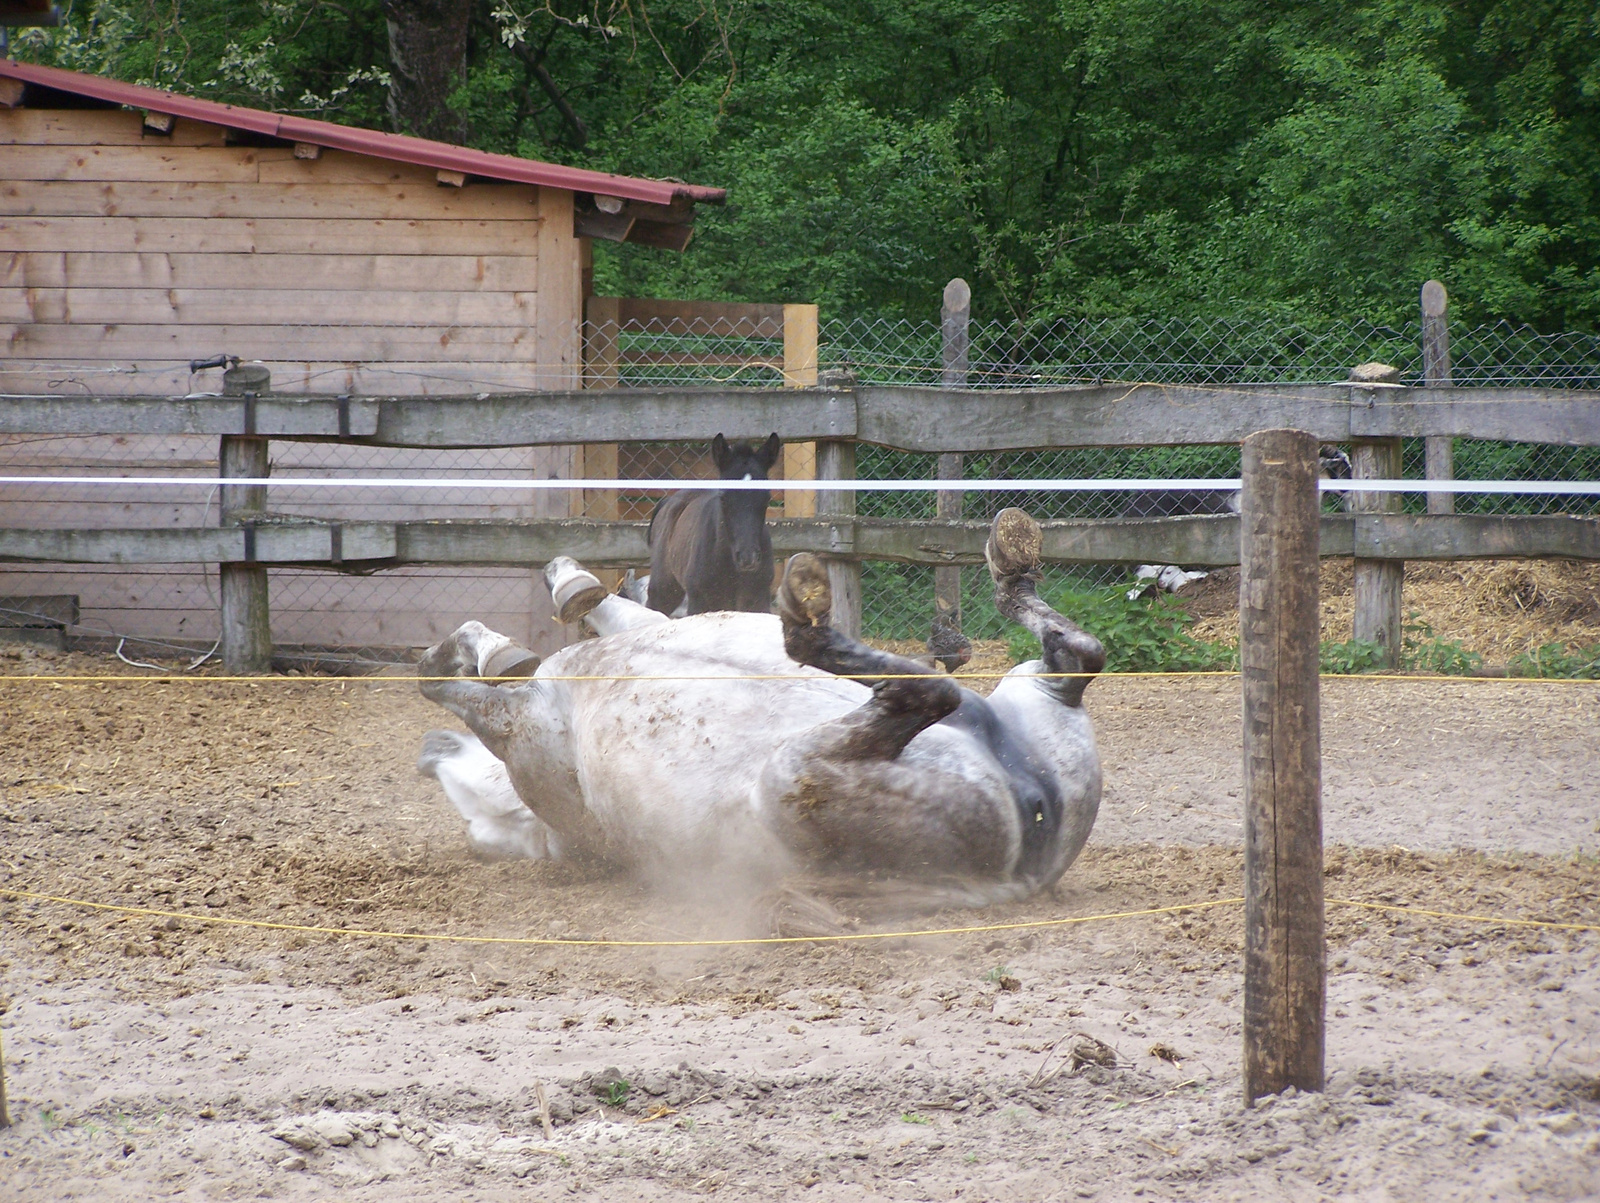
{"x":154,"y":1057}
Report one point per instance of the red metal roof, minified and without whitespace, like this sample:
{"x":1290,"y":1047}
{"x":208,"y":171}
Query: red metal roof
{"x":439,"y":155}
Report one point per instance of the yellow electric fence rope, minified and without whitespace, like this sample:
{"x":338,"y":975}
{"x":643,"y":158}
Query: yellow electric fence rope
{"x":547,"y":940}
{"x":1417,"y":910}
{"x":277,"y":679}
{"x":151,"y":913}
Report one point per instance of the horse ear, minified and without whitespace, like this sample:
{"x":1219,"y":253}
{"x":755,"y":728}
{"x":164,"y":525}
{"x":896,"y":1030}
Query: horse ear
{"x":771,"y":450}
{"x":719,"y":452}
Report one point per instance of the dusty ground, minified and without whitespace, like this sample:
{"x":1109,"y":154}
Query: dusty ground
{"x":154,"y":1057}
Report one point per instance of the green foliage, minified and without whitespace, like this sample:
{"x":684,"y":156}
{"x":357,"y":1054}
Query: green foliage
{"x":1421,"y":650}
{"x":616,"y":1093}
{"x":1142,"y":634}
{"x":1554,"y":660}
{"x":1068,"y":157}
{"x":1351,"y":656}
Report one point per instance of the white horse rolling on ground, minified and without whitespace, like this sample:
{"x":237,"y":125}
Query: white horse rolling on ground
{"x":738,"y":748}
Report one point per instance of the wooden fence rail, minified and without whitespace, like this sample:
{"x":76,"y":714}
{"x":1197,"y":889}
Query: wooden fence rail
{"x":909,"y":418}
{"x":1206,"y":542}
{"x":945,"y":421}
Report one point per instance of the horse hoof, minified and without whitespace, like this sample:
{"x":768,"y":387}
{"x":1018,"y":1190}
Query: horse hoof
{"x":1014,"y":544}
{"x":805,"y":598}
{"x":574,"y":589}
{"x":510,"y":661}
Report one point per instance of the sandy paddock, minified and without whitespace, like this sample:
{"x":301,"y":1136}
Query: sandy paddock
{"x":169,"y":1058}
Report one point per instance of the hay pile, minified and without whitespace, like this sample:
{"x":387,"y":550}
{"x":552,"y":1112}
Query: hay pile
{"x":1497,"y":608}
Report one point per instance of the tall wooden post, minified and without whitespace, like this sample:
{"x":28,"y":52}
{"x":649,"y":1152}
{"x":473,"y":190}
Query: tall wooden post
{"x":1378,"y":583}
{"x":246,"y":619}
{"x":836,"y":460}
{"x":1440,"y":449}
{"x":1285,"y":971}
{"x":954,"y":319}
{"x":602,"y":368}
{"x":800,"y":371}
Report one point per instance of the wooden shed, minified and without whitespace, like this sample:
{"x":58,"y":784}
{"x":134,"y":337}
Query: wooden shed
{"x":142,"y":231}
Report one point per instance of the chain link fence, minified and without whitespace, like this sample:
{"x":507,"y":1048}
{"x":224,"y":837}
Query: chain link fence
{"x":384,"y":617}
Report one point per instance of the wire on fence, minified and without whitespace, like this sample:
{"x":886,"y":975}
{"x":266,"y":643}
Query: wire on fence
{"x":896,"y":598}
{"x":835,"y":938}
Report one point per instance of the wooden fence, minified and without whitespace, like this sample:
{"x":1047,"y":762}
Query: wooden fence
{"x":835,"y":417}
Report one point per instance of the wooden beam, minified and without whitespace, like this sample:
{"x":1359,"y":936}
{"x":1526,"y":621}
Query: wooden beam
{"x":275,"y":416}
{"x":363,"y":272}
{"x":271,"y":236}
{"x":1285,"y":963}
{"x":11,"y":91}
{"x":1439,"y":450}
{"x":157,"y":123}
{"x":955,"y":317}
{"x":1200,"y":542}
{"x":836,"y":460}
{"x":799,"y":371}
{"x":1379,"y":615}
{"x":277,"y":543}
{"x":245,"y":306}
{"x":307,"y":151}
{"x":451,"y":179}
{"x":930,"y":420}
{"x":669,"y":415}
{"x":921,"y":419}
{"x":98,"y":127}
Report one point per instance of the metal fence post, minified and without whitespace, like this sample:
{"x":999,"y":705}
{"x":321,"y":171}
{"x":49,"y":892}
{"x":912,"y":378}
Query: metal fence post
{"x":1440,"y":449}
{"x":246,"y":619}
{"x":954,"y":321}
{"x":1285,"y":970}
{"x":1378,"y":583}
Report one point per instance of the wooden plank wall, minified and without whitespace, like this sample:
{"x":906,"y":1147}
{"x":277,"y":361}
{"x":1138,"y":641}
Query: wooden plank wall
{"x":124,"y":255}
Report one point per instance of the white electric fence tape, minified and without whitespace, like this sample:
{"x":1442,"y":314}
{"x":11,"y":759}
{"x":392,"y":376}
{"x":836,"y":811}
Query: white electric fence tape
{"x":1584,"y":488}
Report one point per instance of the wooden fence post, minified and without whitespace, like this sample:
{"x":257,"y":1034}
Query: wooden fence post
{"x":246,"y":618}
{"x":1285,"y":971}
{"x":836,"y":460}
{"x":602,"y":368}
{"x":1440,"y":449}
{"x":954,"y":320}
{"x":1378,"y":583}
{"x":800,"y":371}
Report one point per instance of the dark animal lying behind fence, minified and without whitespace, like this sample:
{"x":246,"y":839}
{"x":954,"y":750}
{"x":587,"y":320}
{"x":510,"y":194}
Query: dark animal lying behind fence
{"x":711,"y":549}
{"x":1173,"y":503}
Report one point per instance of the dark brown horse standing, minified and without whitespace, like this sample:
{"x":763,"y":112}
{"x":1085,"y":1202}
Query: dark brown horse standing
{"x":710,"y":548}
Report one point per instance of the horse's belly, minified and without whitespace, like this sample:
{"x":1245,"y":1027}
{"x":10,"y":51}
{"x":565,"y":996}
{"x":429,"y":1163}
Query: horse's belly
{"x":670,"y":743}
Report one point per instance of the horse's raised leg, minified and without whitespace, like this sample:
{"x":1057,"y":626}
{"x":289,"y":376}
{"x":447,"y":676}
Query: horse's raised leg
{"x":1013,"y":554}
{"x":521,"y":723}
{"x":839,"y":792}
{"x":578,"y":594}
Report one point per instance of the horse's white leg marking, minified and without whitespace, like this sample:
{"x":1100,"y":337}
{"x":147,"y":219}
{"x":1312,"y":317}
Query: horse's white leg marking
{"x":618,"y":613}
{"x":475,"y":780}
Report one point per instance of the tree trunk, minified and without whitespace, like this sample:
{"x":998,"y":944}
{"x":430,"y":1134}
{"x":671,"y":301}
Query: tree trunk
{"x":427,"y":59}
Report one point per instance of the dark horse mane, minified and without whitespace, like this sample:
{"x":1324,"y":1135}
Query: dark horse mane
{"x":709,"y":548}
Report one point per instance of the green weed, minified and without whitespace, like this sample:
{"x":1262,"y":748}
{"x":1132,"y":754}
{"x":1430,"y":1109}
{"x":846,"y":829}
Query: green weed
{"x":911,"y":1117}
{"x":1554,"y":660}
{"x":617,"y":1092}
{"x":1142,"y":634}
{"x":1351,"y":656}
